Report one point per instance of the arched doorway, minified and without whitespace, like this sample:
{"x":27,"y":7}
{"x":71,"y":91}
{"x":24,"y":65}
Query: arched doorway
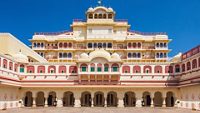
{"x":68,"y":99}
{"x":170,"y":99}
{"x":28,"y":100}
{"x":112,"y":99}
{"x":86,"y":99}
{"x":40,"y":100}
{"x":158,"y":100}
{"x":129,"y":99}
{"x":146,"y":99}
{"x":99,"y":99}
{"x":52,"y":99}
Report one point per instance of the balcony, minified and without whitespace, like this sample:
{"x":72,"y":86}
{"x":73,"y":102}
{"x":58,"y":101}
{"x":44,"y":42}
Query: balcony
{"x":148,"y":47}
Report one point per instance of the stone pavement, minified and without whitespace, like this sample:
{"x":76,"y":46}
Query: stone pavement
{"x":97,"y":110}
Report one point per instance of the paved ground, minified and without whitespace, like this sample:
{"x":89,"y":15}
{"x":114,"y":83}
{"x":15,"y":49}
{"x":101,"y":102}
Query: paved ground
{"x":98,"y":110}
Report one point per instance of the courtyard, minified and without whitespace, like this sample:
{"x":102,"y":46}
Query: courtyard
{"x":98,"y":110}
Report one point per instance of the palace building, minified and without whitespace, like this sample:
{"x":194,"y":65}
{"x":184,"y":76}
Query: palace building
{"x":100,"y":62}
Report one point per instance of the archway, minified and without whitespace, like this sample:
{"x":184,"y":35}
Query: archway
{"x":158,"y":100}
{"x":112,"y":99}
{"x":28,"y":100}
{"x":170,"y":99}
{"x":52,"y":99}
{"x":99,"y":99}
{"x":129,"y":99}
{"x":146,"y":99}
{"x":40,"y":100}
{"x":68,"y":99}
{"x":86,"y":99}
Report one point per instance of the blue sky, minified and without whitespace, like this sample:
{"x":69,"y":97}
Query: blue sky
{"x":179,"y":18}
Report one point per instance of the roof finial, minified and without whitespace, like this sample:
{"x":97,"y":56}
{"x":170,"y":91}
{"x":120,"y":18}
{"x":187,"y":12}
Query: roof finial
{"x":100,"y":2}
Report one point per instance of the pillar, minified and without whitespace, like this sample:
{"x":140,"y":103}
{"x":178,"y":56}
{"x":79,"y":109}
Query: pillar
{"x":46,"y":100}
{"x":105,"y":102}
{"x":34,"y":101}
{"x":164,"y":102}
{"x":59,"y":99}
{"x":121,"y":99}
{"x":139,"y":100}
{"x":77,"y":97}
{"x":152,"y":103}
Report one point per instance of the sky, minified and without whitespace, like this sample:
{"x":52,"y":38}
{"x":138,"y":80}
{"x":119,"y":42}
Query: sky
{"x":180,"y":19}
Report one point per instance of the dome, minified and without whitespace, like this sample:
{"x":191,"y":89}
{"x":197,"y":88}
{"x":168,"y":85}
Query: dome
{"x":100,"y":53}
{"x":90,"y":9}
{"x":110,"y":9}
{"x":84,"y":56}
{"x":19,"y":57}
{"x":115,"y":56}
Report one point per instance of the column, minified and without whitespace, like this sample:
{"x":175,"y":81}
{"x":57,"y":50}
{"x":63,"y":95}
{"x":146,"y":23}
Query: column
{"x":46,"y":100}
{"x":121,"y":101}
{"x":105,"y":102}
{"x":34,"y":102}
{"x":92,"y":102}
{"x":77,"y":97}
{"x":59,"y":100}
{"x":139,"y":100}
{"x":164,"y":102}
{"x":152,"y":104}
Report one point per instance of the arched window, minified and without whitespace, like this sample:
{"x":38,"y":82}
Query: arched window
{"x":5,"y":63}
{"x":136,"y":69}
{"x":109,"y":16}
{"x":10,"y":65}
{"x":72,"y":69}
{"x":64,"y":55}
{"x":147,"y":69}
{"x":134,"y":55}
{"x":129,"y":45}
{"x":99,"y":45}
{"x":194,"y":63}
{"x":100,"y":16}
{"x":171,"y":69}
{"x":83,"y":67}
{"x":90,"y":16}
{"x":134,"y":45}
{"x":15,"y":68}
{"x":38,"y":44}
{"x":70,"y":45}
{"x":161,"y":44}
{"x":109,"y":45}
{"x":51,"y":69}
{"x":106,"y":67}
{"x":157,"y":55}
{"x":21,"y":68}
{"x":157,"y":44}
{"x":161,"y":55}
{"x":60,"y":55}
{"x":177,"y":68}
{"x":42,"y":45}
{"x":183,"y":67}
{"x":188,"y":66}
{"x":138,"y":55}
{"x":41,"y":69}
{"x":65,"y":45}
{"x":129,"y":55}
{"x":89,"y":45}
{"x":104,"y":45}
{"x":126,"y":69}
{"x":60,"y":45}
{"x":95,"y":45}
{"x":99,"y":67}
{"x":158,"y":69}
{"x":62,"y":69}
{"x":115,"y":67}
{"x":92,"y":67}
{"x":69,"y":55}
{"x":139,"y":45}
{"x":165,"y":45}
{"x":34,"y":44}
{"x":104,"y":16}
{"x":30,"y":69}
{"x":95,"y":16}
